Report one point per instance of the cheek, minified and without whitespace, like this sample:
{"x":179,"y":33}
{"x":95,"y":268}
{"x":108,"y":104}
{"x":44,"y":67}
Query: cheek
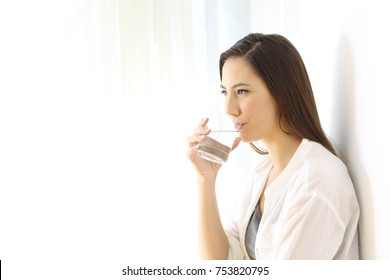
{"x":264,"y":116}
{"x":260,"y":111}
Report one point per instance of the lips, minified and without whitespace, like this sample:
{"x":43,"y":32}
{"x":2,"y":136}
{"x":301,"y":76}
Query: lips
{"x":239,"y":126}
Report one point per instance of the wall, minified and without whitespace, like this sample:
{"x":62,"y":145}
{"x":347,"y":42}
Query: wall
{"x":345,"y":47}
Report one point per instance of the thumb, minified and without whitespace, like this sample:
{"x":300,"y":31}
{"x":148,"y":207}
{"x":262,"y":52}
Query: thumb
{"x":236,"y":142}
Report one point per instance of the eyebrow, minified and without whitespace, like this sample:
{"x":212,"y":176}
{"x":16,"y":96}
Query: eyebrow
{"x":236,"y":85}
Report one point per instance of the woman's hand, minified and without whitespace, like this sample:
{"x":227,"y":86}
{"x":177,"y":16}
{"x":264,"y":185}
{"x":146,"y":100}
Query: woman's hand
{"x":206,"y":169}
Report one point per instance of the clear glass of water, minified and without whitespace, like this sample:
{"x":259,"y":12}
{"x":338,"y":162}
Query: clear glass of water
{"x":218,"y":143}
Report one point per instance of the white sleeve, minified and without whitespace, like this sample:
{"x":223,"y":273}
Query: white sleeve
{"x":309,"y":228}
{"x":235,"y":250}
{"x":232,"y":230}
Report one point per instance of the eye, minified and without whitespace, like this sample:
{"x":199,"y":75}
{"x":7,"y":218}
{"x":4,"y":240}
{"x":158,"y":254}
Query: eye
{"x":223,"y":92}
{"x":241,"y":91}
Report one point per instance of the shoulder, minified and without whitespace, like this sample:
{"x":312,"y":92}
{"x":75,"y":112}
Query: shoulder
{"x":323,"y":172}
{"x":322,"y":178}
{"x":321,"y":163}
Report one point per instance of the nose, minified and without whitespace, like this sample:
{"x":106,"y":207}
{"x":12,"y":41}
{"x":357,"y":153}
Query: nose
{"x":232,"y":107}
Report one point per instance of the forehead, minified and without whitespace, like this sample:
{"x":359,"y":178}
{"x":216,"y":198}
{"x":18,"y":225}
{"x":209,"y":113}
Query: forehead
{"x":238,"y":69}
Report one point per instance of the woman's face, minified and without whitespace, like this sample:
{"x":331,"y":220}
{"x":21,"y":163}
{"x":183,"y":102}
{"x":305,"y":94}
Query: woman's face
{"x":248,"y":101}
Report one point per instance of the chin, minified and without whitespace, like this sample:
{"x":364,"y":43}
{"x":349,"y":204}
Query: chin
{"x":246,"y":139}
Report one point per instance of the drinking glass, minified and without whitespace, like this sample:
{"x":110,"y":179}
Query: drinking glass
{"x":218,"y":143}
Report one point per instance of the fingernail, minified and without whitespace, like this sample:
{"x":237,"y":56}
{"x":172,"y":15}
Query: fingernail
{"x":201,"y":136}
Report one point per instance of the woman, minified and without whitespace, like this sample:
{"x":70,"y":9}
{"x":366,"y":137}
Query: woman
{"x":300,"y":203}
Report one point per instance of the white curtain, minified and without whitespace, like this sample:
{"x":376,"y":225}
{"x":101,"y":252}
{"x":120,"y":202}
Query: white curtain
{"x":97,"y":99}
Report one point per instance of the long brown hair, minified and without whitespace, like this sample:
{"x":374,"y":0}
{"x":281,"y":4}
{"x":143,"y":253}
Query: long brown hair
{"x":279,"y":65}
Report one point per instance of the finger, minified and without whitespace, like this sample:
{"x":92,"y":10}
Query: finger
{"x":191,"y":153}
{"x":199,"y":133}
{"x":204,"y":130}
{"x":195,"y":139}
{"x":201,"y":125}
{"x":203,"y":122}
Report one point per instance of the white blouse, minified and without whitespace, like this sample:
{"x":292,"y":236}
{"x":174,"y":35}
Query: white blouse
{"x":310,"y":212}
